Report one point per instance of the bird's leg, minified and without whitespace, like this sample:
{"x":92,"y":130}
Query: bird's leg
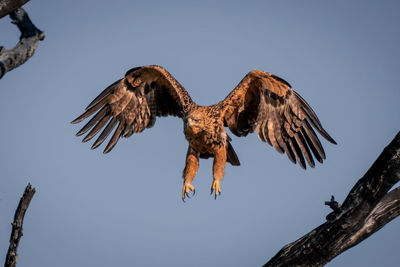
{"x":218,"y":170}
{"x":191,"y":166}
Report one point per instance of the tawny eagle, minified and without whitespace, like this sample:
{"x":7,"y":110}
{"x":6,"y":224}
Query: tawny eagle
{"x":261,"y":102}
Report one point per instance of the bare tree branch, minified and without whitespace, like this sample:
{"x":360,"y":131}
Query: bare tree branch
{"x":386,"y":210}
{"x":16,"y":233}
{"x":7,"y":6}
{"x":30,"y":36}
{"x":367,"y":208}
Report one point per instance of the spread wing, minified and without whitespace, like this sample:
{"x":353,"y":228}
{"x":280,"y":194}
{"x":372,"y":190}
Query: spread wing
{"x":281,"y":117}
{"x":133,"y":103}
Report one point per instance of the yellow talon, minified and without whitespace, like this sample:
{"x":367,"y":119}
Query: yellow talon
{"x":187,"y":187}
{"x":216,"y":188}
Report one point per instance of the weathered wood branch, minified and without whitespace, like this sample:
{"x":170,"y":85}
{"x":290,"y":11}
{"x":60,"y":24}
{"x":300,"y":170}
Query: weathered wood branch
{"x":16,"y":233}
{"x":367,"y":208}
{"x":386,"y":210}
{"x":30,"y":36}
{"x":7,"y":6}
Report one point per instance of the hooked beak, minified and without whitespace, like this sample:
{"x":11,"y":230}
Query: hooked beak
{"x":188,"y":122}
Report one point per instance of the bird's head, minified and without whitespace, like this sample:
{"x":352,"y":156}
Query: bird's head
{"x":195,"y":122}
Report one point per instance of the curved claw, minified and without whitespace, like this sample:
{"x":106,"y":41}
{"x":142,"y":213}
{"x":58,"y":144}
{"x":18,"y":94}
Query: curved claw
{"x":216,"y":188}
{"x":193,"y":193}
{"x":187,"y":187}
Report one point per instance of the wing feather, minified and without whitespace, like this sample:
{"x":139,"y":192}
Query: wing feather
{"x":97,"y":128}
{"x":289,"y":152}
{"x":267,"y":104}
{"x":114,"y":138}
{"x":304,"y":149}
{"x":91,"y":110}
{"x":314,"y":142}
{"x":297,"y":151}
{"x":103,"y":94}
{"x":133,"y":103}
{"x":273,"y":135}
{"x":110,"y":126}
{"x":100,"y":114}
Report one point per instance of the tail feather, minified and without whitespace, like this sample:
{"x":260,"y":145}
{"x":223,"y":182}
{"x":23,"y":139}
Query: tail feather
{"x":231,"y":156}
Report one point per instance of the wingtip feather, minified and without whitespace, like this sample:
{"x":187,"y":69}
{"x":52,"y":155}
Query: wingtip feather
{"x":333,"y":141}
{"x":77,"y":120}
{"x":328,"y":137}
{"x":95,"y":145}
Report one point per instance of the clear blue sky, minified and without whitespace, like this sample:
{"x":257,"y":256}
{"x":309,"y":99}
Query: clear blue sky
{"x":124,"y":208}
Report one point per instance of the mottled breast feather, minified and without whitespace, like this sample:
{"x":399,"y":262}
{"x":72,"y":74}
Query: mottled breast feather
{"x":133,"y":103}
{"x":266,"y":103}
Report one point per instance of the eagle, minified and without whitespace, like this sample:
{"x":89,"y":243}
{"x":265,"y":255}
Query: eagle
{"x":261,"y":102}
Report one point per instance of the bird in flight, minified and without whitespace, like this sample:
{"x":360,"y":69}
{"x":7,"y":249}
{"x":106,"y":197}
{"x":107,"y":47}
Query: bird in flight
{"x":261,"y":102}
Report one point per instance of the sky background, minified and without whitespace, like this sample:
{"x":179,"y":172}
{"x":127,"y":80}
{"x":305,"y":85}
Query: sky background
{"x":125,"y":208}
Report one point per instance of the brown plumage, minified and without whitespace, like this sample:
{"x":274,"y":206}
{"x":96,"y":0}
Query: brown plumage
{"x":261,"y":102}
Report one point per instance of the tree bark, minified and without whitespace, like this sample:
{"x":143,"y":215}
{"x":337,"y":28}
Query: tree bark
{"x":367,"y":208}
{"x":30,"y":36}
{"x":16,"y":233}
{"x":7,"y":6}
